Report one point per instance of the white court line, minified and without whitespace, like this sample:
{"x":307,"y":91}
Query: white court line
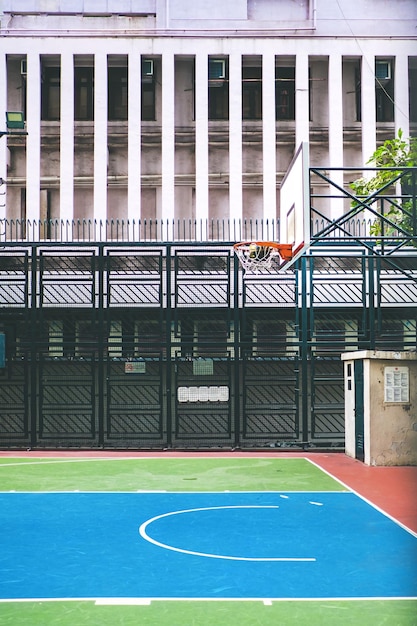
{"x":104,"y":493}
{"x":57,"y":460}
{"x":147,"y":601}
{"x":62,"y":461}
{"x":356,"y":493}
{"x":180,"y":493}
{"x":265,"y":601}
{"x":143,"y":533}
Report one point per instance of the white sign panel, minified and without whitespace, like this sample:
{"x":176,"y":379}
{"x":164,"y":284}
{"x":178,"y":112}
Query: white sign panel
{"x":203,"y":394}
{"x":397,"y":384}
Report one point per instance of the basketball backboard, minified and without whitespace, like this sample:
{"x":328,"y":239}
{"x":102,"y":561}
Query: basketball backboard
{"x":295,"y":202}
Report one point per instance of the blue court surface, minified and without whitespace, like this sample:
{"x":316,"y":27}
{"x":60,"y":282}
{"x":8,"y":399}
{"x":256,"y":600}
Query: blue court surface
{"x":202,"y":545}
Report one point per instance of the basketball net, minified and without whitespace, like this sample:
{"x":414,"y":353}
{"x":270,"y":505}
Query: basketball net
{"x":258,"y":256}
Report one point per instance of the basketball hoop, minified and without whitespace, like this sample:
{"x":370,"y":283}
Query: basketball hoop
{"x":258,"y":256}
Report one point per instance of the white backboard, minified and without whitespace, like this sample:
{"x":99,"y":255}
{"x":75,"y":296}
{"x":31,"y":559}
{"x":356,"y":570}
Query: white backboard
{"x":295,"y":202}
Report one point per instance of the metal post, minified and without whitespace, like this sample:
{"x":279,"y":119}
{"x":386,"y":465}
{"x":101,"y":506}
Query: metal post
{"x":305,"y":404}
{"x":33,"y":404}
{"x":169,"y":361}
{"x":101,"y":352}
{"x":237,"y":353}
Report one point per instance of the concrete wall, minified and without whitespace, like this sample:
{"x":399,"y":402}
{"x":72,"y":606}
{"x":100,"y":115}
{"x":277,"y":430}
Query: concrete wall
{"x":342,"y":18}
{"x":390,"y":427}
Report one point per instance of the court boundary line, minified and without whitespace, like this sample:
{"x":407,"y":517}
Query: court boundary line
{"x":369,"y":502}
{"x":146,"y":600}
{"x":185,"y":493}
{"x":58,"y":461}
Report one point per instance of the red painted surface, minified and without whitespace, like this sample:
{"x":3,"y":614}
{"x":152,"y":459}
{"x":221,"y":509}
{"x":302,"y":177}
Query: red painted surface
{"x":392,"y":489}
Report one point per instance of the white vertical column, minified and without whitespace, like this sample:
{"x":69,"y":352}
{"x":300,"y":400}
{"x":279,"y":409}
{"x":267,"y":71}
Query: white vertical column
{"x":168,"y":137}
{"x":401,"y":96}
{"x":401,"y":101}
{"x":235,"y":136}
{"x":302,"y":125}
{"x":269,"y":137}
{"x":100,"y":136}
{"x":33,"y":145}
{"x":368,"y":107}
{"x":134,"y":137}
{"x":335,"y":131}
{"x":67,"y":137}
{"x":3,"y":140}
{"x":201,"y":137}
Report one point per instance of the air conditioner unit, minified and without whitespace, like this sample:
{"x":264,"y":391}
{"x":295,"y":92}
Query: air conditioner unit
{"x":383,"y":70}
{"x":217,"y":69}
{"x":23,"y":67}
{"x":147,"y":68}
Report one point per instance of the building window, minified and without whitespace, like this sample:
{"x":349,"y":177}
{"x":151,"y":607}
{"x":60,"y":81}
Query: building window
{"x":252,"y":93}
{"x":51,"y":93}
{"x":285,"y":93}
{"x":412,"y":87}
{"x":358,"y":98}
{"x":148,"y":91}
{"x":218,"y":90}
{"x":117,"y":93}
{"x":84,"y":93}
{"x":384,"y":87}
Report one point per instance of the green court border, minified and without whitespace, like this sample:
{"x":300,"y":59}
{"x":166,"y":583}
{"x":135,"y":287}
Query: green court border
{"x":169,"y":474}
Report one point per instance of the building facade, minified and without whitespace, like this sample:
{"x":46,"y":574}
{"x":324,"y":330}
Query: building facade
{"x":157,"y":136}
{"x":156,"y":109}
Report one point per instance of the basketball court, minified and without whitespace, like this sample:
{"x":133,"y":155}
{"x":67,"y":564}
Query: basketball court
{"x":276,"y":531}
{"x":210,"y":539}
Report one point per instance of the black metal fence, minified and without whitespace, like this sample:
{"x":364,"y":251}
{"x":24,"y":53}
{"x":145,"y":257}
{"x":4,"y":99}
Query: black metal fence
{"x":162,"y":230}
{"x":159,"y":345}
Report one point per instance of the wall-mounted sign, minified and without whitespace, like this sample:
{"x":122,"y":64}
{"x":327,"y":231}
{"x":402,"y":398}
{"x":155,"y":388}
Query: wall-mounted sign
{"x":203,"y":394}
{"x":203,"y":367}
{"x":397,"y":384}
{"x":135,"y":367}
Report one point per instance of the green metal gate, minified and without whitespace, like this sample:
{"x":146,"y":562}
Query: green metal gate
{"x":204,"y":402}
{"x":135,"y":413}
{"x":67,"y":409}
{"x":270,"y":390}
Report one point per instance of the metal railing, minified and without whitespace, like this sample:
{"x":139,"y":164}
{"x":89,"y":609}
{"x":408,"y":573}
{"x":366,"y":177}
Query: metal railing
{"x":130,"y":231}
{"x":385,"y":214}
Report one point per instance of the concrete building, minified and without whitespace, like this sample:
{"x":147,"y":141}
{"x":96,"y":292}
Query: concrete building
{"x":152,"y":137}
{"x":172,"y":110}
